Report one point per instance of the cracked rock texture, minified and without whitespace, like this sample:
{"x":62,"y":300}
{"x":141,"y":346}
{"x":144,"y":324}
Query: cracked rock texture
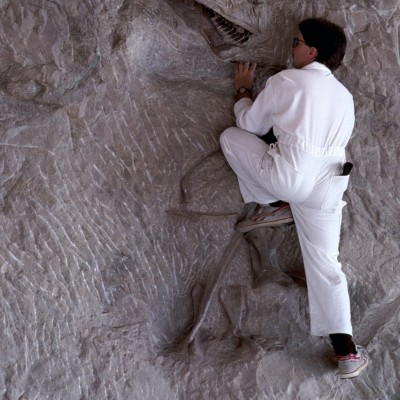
{"x":118,"y":209}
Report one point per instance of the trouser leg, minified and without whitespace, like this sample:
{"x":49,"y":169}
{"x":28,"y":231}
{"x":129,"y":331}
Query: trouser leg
{"x":328,"y":295}
{"x":246,"y":154}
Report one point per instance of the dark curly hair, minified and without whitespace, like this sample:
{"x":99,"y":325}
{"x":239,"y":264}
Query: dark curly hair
{"x":328,"y":38}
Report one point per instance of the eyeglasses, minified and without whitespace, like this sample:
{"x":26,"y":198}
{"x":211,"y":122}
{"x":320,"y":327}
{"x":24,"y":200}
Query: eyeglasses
{"x":296,"y":41}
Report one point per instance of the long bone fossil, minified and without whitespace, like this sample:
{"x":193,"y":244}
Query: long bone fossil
{"x":210,"y":293}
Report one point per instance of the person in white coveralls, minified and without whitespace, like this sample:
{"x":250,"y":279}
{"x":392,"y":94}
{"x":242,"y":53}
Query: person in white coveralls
{"x":303,"y":176}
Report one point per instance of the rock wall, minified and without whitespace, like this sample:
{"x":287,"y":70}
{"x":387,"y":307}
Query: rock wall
{"x":118,"y":209}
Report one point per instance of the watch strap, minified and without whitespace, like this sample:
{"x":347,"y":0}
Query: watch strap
{"x":243,"y":90}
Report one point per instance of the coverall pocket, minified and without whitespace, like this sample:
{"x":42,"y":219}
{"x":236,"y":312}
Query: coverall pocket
{"x":334,"y":195}
{"x":327,"y":195}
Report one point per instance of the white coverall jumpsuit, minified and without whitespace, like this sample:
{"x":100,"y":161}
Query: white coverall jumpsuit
{"x":312,"y":115}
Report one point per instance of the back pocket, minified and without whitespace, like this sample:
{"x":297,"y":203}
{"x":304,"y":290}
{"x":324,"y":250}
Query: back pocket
{"x":327,"y":194}
{"x":334,"y":194}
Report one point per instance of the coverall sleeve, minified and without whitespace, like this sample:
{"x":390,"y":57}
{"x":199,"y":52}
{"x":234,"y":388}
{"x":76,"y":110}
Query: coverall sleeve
{"x":256,"y":117}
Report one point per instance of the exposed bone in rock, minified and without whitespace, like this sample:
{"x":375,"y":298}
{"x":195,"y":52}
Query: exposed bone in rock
{"x":228,"y":30}
{"x":117,"y":205}
{"x":272,"y":259}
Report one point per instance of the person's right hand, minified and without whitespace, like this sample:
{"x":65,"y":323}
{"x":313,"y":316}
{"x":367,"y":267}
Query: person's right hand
{"x":245,"y":75}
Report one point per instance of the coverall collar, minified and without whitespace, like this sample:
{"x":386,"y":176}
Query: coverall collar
{"x":317,"y":65}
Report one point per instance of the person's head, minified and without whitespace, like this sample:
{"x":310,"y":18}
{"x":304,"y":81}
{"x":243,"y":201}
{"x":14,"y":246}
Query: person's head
{"x":319,"y":40}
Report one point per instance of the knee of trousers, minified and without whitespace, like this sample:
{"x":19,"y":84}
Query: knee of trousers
{"x":225,"y":135}
{"x":230,"y":138}
{"x":224,"y":142}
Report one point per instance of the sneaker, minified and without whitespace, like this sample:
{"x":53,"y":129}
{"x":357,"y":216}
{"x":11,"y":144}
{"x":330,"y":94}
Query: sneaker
{"x":266,"y":216}
{"x":351,"y":365}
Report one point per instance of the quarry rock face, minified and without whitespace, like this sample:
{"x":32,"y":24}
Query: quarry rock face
{"x":122,"y":276}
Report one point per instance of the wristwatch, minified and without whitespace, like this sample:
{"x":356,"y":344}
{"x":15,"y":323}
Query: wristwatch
{"x":243,"y":90}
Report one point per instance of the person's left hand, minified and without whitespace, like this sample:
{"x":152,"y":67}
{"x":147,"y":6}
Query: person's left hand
{"x":245,"y":75}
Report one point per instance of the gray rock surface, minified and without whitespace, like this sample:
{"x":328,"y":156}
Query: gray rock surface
{"x":117,"y":207}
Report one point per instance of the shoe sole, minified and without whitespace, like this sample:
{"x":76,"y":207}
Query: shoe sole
{"x":248,"y":228}
{"x":356,"y":372}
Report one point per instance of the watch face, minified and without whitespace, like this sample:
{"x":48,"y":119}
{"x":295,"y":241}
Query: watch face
{"x":242,"y":90}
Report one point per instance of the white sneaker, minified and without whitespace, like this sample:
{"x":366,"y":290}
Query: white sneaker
{"x":266,"y":216}
{"x":351,"y":365}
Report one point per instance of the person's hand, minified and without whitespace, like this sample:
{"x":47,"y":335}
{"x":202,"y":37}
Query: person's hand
{"x":245,"y":75}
